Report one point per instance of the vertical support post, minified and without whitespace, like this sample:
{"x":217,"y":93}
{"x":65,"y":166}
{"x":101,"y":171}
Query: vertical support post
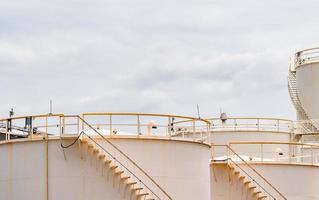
{"x":46,"y":125}
{"x":194,"y":131}
{"x":63,"y":126}
{"x":258,"y":125}
{"x":46,"y":168}
{"x":209,"y":135}
{"x":138,"y":125}
{"x":262,"y":153}
{"x":290,"y":153}
{"x":46,"y":159}
{"x":60,"y":126}
{"x":277,"y":125}
{"x":110,"y":124}
{"x":78,"y":125}
{"x":169,"y":127}
{"x":83,"y":124}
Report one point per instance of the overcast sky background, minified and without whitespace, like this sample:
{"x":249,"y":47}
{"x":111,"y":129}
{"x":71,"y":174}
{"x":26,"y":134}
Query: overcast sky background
{"x":152,"y":56}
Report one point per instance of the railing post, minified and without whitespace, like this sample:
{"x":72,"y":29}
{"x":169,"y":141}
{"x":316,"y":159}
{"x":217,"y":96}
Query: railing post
{"x":277,"y":125}
{"x":194,"y":131}
{"x":138,"y":125}
{"x":262,"y":152}
{"x":46,"y":126}
{"x":169,"y":128}
{"x":78,"y":125}
{"x":209,"y":134}
{"x":258,"y":125}
{"x":110,"y":124}
{"x":290,"y":155}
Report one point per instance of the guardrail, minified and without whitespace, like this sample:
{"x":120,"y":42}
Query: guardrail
{"x":133,"y":124}
{"x":306,"y":56}
{"x":252,"y":124}
{"x":278,"y":152}
{"x":30,"y":126}
{"x":117,"y":156}
{"x":232,"y":157}
{"x":147,"y":124}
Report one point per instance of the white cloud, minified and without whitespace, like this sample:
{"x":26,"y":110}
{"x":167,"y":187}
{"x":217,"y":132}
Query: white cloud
{"x":151,"y":56}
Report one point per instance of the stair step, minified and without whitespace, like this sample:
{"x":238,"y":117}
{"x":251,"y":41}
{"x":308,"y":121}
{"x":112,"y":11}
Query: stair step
{"x":251,"y":187}
{"x":125,"y":178}
{"x":236,"y":172}
{"x":257,"y":192}
{"x":131,"y":183}
{"x":231,"y":167}
{"x":101,"y":156}
{"x":137,"y":189}
{"x":96,"y":151}
{"x":119,"y":172}
{"x":262,"y":197}
{"x":84,"y":141}
{"x":247,"y":182}
{"x":90,"y":145}
{"x":242,"y":177}
{"x":142,"y":194}
{"x":107,"y":162}
{"x":113,"y":167}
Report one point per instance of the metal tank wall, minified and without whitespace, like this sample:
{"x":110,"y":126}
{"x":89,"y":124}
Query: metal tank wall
{"x":224,"y":137}
{"x":72,"y":174}
{"x":308,"y":88}
{"x":296,"y":182}
{"x":180,"y":167}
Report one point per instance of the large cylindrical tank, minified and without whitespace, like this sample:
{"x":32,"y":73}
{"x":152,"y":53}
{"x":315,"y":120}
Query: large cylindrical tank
{"x":307,"y":74}
{"x":40,"y":169}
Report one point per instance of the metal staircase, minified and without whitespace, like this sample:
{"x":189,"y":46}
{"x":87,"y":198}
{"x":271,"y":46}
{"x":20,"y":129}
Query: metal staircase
{"x":140,"y":184}
{"x":252,"y":192}
{"x":306,"y":125}
{"x":255,"y":185}
{"x":133,"y":190}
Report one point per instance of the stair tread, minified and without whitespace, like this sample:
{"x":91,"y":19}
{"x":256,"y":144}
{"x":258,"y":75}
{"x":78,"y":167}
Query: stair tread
{"x":132,"y":183}
{"x":142,"y":194}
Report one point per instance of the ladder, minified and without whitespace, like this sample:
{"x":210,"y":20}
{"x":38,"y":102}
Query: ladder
{"x":309,"y":126}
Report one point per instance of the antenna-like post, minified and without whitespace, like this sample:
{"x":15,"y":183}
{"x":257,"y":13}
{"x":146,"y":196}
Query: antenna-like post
{"x":11,"y":113}
{"x":50,"y":113}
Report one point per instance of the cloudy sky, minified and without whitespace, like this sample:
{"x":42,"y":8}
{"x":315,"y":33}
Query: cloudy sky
{"x":152,"y":56}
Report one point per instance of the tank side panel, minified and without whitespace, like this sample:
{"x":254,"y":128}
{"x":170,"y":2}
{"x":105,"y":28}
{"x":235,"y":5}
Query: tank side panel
{"x":226,"y":137}
{"x":75,"y":173}
{"x":181,"y":168}
{"x":296,"y":182}
{"x":308,"y":87}
{"x":22,"y":172}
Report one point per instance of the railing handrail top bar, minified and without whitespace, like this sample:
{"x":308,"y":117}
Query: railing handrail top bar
{"x":108,"y":113}
{"x":144,"y":114}
{"x":33,"y":116}
{"x":252,"y":118}
{"x":265,"y":142}
{"x":308,"y":49}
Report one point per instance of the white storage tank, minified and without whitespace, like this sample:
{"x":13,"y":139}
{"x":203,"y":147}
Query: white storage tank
{"x":306,"y":66}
